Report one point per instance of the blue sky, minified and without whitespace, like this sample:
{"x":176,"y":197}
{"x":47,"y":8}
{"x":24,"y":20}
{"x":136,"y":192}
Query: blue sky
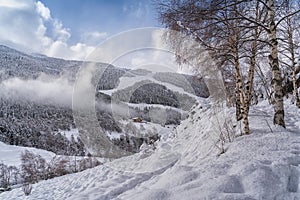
{"x":73,"y":30}
{"x":69,"y":29}
{"x":103,"y":16}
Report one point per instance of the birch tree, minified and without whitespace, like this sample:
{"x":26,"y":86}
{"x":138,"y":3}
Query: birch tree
{"x":217,"y":26}
{"x":274,"y":63}
{"x":275,"y":18}
{"x":290,"y":45}
{"x":226,"y":28}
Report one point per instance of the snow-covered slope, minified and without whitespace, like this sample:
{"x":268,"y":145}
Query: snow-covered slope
{"x":186,"y":165}
{"x":11,"y":155}
{"x":36,"y":99}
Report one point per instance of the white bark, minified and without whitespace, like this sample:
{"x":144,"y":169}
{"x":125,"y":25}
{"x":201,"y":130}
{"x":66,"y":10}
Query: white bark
{"x":274,"y":63}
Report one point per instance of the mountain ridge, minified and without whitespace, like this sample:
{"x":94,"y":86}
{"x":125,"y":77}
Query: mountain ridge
{"x":37,"y":99}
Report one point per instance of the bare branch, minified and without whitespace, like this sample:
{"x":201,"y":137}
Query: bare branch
{"x":287,"y":16}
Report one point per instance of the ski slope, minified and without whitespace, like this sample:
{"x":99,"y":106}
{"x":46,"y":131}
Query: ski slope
{"x":187,"y":164}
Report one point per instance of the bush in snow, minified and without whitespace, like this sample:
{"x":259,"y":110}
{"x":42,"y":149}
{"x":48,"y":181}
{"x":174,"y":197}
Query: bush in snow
{"x":9,"y":175}
{"x":27,"y":187}
{"x":4,"y":176}
{"x":58,"y":167}
{"x":227,"y":133}
{"x":33,"y":167}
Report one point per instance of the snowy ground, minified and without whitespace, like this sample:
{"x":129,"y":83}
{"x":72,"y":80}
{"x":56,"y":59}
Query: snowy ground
{"x":11,"y":155}
{"x":128,"y":81}
{"x":185,"y":165}
{"x":73,"y":132}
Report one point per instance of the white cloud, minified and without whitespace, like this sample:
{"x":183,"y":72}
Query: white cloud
{"x":19,"y":25}
{"x":28,"y":25}
{"x":75,"y":52}
{"x":43,"y":10}
{"x":82,"y":47}
{"x":44,"y":89}
{"x":60,"y":33}
{"x":136,"y":9}
{"x":96,"y":34}
{"x":57,"y":48}
{"x":81,"y":50}
{"x":139,"y":48}
{"x":12,"y":4}
{"x":94,"y":37}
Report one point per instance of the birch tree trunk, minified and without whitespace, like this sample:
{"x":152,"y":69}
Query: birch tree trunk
{"x":274,"y":63}
{"x":293,"y":61}
{"x":242,"y":97}
{"x":234,"y":45}
{"x":238,"y":112}
{"x":296,"y":94}
{"x":249,"y":84}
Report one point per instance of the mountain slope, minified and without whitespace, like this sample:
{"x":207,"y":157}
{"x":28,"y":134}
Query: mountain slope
{"x":36,"y":100}
{"x":14,"y":63}
{"x":185,"y":165}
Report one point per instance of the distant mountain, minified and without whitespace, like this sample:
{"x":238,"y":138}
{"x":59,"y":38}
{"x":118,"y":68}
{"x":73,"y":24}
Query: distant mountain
{"x":157,"y":98}
{"x":14,"y":63}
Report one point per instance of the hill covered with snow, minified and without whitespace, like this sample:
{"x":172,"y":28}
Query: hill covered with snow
{"x":36,"y":100}
{"x":188,"y":163}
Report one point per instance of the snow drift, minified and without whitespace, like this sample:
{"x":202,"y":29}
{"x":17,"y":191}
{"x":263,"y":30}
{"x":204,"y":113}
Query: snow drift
{"x":187,"y":165}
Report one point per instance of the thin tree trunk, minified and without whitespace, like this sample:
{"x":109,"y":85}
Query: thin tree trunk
{"x":265,"y":84}
{"x":242,"y":96}
{"x":293,"y":59}
{"x":239,"y":77}
{"x":240,"y":92}
{"x":296,"y":94}
{"x":238,"y":112}
{"x":274,"y":63}
{"x":249,"y":84}
{"x":232,"y":39}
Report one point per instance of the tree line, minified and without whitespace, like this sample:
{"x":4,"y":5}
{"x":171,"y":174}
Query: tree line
{"x":35,"y":168}
{"x":254,"y":43}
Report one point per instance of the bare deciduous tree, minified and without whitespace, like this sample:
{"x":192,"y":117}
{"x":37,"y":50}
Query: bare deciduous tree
{"x":290,"y":46}
{"x":226,"y":28}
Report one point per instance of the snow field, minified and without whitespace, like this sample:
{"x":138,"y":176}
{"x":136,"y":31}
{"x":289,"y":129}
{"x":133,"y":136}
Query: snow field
{"x":187,"y":165}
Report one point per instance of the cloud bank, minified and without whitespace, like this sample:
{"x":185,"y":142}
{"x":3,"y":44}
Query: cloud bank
{"x":28,"y":25}
{"x":139,"y":49}
{"x":44,"y":89}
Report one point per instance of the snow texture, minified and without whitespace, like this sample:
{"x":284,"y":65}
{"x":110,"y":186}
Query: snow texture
{"x":186,"y":164}
{"x":11,"y":155}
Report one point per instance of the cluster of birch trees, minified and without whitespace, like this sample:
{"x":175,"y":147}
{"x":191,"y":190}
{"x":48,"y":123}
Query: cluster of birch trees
{"x":248,"y":40}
